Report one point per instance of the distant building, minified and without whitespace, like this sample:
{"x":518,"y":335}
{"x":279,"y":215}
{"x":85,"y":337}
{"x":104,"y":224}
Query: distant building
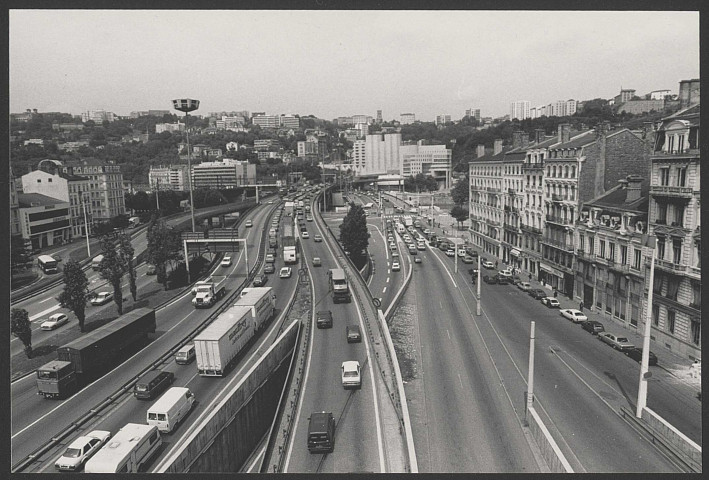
{"x":358,"y":156}
{"x":106,"y":185}
{"x":407,"y":118}
{"x":625,"y":95}
{"x":14,"y":205}
{"x":473,"y":112}
{"x":429,"y":160}
{"x":641,"y":106}
{"x":44,"y":221}
{"x":171,"y":177}
{"x":442,"y":119}
{"x":688,"y":93}
{"x":362,"y":129}
{"x":265,"y":144}
{"x":97,"y":116}
{"x":307,"y":148}
{"x":379,"y":117}
{"x":366,"y":119}
{"x":169,"y":127}
{"x":382,"y":154}
{"x":267,"y":121}
{"x":520,"y":109}
{"x":659,"y":94}
{"x":227,"y":173}
{"x":289,"y":121}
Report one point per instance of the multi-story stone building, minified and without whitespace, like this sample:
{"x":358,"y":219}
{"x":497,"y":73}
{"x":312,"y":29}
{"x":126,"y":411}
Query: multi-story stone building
{"x":674,"y":219}
{"x":513,"y":199}
{"x":577,"y":170}
{"x":486,"y":210}
{"x":610,"y":269}
{"x":267,"y":121}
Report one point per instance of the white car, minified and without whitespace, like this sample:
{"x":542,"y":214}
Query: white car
{"x":461,"y":252}
{"x":574,"y":315}
{"x":81,"y":449}
{"x":615,"y":341}
{"x":550,"y":302}
{"x":351,"y":371}
{"x":270,"y":258}
{"x":249,"y":223}
{"x":285,"y":272}
{"x":306,"y":235}
{"x":54,"y":321}
{"x":395,"y":267}
{"x":450,"y":252}
{"x":421,"y":246}
{"x":488,"y":264}
{"x":226,"y":261}
{"x":426,"y":231}
{"x":101,"y":298}
{"x":317,"y":238}
{"x":524,"y":286}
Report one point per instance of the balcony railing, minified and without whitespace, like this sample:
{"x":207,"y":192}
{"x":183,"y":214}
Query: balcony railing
{"x":670,"y":266}
{"x":512,"y":191}
{"x":559,"y":220}
{"x":493,"y":190}
{"x":532,"y":166}
{"x":558,"y":244}
{"x":671,"y":191}
{"x":493,"y":223}
{"x":527,"y":228}
{"x":677,"y":151}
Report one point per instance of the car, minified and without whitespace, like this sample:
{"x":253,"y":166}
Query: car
{"x":260,"y":280}
{"x":81,"y":449}
{"x":488,"y":264}
{"x":317,"y":262}
{"x":616,"y":341}
{"x":151,"y":270}
{"x":574,"y":315}
{"x":269,"y":268}
{"x":390,"y":239}
{"x":102,"y":298}
{"x":285,"y":272}
{"x":323,"y":319}
{"x":637,"y":355}
{"x":354,"y":335}
{"x":426,"y":231}
{"x":461,"y":252}
{"x":417,"y":259}
{"x":503,"y":280}
{"x":550,"y":302}
{"x":249,"y":223}
{"x":450,"y":252}
{"x":395,"y":255}
{"x":488,"y":279}
{"x":270,"y":258}
{"x":54,"y":321}
{"x":524,"y":286}
{"x":226,"y":261}
{"x":467,"y":259}
{"x":537,"y":293}
{"x":351,"y":374}
{"x":593,"y":327}
{"x":473,"y":272}
{"x":317,"y":238}
{"x":392,"y":246}
{"x":421,"y":246}
{"x":395,"y":267}
{"x":413,"y":251}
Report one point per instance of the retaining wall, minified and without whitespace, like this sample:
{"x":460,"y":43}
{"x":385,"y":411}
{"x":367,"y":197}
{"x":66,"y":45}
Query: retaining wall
{"x":673,"y":436}
{"x":555,"y":459}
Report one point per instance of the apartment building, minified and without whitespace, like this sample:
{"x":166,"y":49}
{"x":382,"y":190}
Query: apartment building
{"x":14,"y":206}
{"x":674,"y":219}
{"x":429,"y":160}
{"x":170,"y":177}
{"x":228,"y":173}
{"x":379,"y":117}
{"x":486,"y":177}
{"x":382,"y":154}
{"x":407,"y":118}
{"x":520,"y":109}
{"x":267,"y":121}
{"x":44,"y":221}
{"x":169,"y":127}
{"x":442,"y":119}
{"x":289,"y":121}
{"x":307,"y":148}
{"x":473,"y":112}
{"x":358,"y":156}
{"x":513,"y":199}
{"x":264,"y":144}
{"x":98,"y":116}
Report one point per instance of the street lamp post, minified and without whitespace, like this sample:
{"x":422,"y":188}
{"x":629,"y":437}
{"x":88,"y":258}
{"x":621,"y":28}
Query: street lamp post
{"x":86,"y":226}
{"x":188,"y":105}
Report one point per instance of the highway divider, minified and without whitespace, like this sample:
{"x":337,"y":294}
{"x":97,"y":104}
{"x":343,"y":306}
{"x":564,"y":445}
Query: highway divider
{"x":552,"y":454}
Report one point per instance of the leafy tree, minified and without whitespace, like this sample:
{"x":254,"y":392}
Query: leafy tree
{"x":460,"y":192}
{"x":119,"y":221}
{"x":163,"y":246}
{"x":354,"y":235}
{"x":76,"y":291}
{"x":126,"y":252}
{"x":19,"y":254}
{"x":20,"y":328}
{"x":460,"y":214}
{"x":112,"y":268}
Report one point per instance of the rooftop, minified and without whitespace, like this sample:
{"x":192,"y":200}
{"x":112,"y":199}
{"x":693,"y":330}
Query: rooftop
{"x":27,"y":200}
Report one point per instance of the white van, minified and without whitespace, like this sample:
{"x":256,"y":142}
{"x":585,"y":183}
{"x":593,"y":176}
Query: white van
{"x":128,"y":451}
{"x":169,"y":409}
{"x":400,"y":228}
{"x":185,"y":355}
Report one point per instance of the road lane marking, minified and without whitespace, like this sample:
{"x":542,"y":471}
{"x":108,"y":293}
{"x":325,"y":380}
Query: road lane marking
{"x":387,"y":280}
{"x":460,"y":380}
{"x":45,"y":300}
{"x":44,"y":312}
{"x":449,"y":334}
{"x":385,"y":289}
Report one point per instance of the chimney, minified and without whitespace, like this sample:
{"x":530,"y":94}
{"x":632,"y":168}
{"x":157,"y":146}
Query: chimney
{"x":524,"y":141}
{"x":480,"y":150}
{"x":498,"y":146}
{"x":564,"y":132}
{"x":539,"y":135}
{"x":632,"y":187}
{"x":600,"y":174}
{"x":516,"y":139}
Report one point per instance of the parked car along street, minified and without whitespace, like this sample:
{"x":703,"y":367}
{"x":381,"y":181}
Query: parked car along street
{"x":574,"y":315}
{"x":615,"y":341}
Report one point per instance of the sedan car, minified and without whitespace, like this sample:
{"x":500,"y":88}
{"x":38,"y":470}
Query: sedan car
{"x":269,"y":268}
{"x":392,"y":246}
{"x":353,"y":334}
{"x":351,"y":374}
{"x":467,"y":259}
{"x":54,"y":321}
{"x":593,"y":327}
{"x":417,"y":259}
{"x":421,"y":246}
{"x":270,"y":258}
{"x":226,"y":261}
{"x":488,"y":264}
{"x":249,"y":223}
{"x":317,"y":238}
{"x":395,"y":267}
{"x":81,"y":449}
{"x":450,"y":252}
{"x":550,"y":302}
{"x":615,"y":341}
{"x":306,"y":234}
{"x":637,"y":355}
{"x":317,"y":262}
{"x":285,"y":272}
{"x":260,"y":280}
{"x":524,"y":286}
{"x":489,"y":279}
{"x":537,"y":293}
{"x":574,"y":315}
{"x":102,"y":298}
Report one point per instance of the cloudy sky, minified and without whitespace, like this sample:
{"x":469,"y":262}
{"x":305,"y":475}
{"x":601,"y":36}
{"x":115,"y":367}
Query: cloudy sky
{"x":336,"y":63}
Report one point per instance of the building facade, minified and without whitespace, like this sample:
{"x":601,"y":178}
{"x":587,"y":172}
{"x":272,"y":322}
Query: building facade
{"x":429,"y":160}
{"x":228,"y":173}
{"x":358,"y":156}
{"x":267,"y":121}
{"x":14,"y":206}
{"x":98,"y":116}
{"x":513,"y":199}
{"x":520,"y":109}
{"x":44,"y":221}
{"x":170,"y":177}
{"x":407,"y":118}
{"x":382,"y":153}
{"x":169,"y":127}
{"x":674,"y":219}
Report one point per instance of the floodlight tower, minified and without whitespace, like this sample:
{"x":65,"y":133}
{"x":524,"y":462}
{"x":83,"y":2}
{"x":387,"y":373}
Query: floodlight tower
{"x":188,"y":105}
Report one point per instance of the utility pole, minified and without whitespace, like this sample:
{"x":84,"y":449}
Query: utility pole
{"x":648,"y":241}
{"x":86,"y":226}
{"x":478,"y":308}
{"x":530,"y":374}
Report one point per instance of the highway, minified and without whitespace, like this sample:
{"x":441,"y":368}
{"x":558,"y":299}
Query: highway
{"x":358,"y":445}
{"x":35,"y":419}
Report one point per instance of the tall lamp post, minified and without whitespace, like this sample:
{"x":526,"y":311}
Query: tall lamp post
{"x":188,"y":105}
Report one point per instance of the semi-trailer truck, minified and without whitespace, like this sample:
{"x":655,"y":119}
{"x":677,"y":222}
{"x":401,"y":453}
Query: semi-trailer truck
{"x":290,"y":246}
{"x":339,"y":286}
{"x":208,"y":293}
{"x":94,"y":354}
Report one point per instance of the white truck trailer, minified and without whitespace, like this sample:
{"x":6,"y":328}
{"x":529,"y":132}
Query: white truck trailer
{"x":207,"y":293}
{"x":218,"y":344}
{"x":262,"y":302}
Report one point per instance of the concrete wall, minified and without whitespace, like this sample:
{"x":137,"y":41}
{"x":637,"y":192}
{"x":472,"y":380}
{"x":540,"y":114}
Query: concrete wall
{"x":224,"y":439}
{"x":672,"y":435}
{"x":555,"y":459}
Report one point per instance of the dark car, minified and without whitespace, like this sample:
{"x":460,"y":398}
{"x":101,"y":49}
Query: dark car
{"x":489,"y":279}
{"x":503,"y":280}
{"x":637,"y":355}
{"x":269,"y":268}
{"x":260,"y":280}
{"x":538,"y":293}
{"x":353,"y":334}
{"x":323,"y":319}
{"x":593,"y":326}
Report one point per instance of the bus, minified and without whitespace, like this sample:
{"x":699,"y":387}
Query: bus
{"x":128,"y":451}
{"x":47,"y":264}
{"x":368,"y":205}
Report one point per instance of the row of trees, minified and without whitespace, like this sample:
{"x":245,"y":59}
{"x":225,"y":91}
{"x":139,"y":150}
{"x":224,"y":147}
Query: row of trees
{"x":354,"y":236}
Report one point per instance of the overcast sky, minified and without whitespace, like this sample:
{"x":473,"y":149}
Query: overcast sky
{"x":339,"y":63}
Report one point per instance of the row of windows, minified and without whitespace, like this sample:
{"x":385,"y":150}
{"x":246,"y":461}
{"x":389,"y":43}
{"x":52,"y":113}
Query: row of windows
{"x":567,"y":171}
{"x":679,"y":179}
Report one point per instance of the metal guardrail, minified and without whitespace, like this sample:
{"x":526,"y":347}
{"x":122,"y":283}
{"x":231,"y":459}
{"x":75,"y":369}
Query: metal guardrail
{"x":127,"y":387}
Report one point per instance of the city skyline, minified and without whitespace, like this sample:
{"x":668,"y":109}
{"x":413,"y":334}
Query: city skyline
{"x":126,"y":60}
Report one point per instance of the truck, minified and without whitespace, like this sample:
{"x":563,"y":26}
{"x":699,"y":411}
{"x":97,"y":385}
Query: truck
{"x":133,"y":221}
{"x":94,"y":354}
{"x":262,"y":302}
{"x":339,"y":286}
{"x":288,"y":209}
{"x":96,"y":262}
{"x":219,"y":344}
{"x":208,"y":293}
{"x":290,"y":246}
{"x":408,"y":221}
{"x":272,"y":241}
